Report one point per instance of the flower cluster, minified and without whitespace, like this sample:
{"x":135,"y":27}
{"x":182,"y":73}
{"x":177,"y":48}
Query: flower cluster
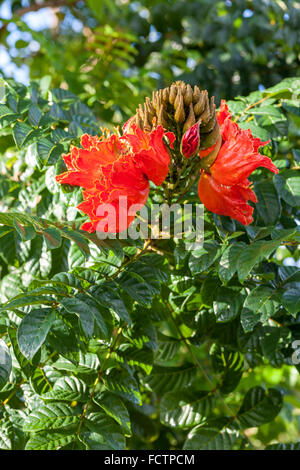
{"x":109,"y":168}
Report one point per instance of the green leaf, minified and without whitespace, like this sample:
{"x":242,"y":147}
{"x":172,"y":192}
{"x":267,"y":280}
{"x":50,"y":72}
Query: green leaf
{"x":229,"y":364}
{"x":227,"y":304}
{"x":111,"y":299}
{"x":48,"y":151}
{"x":7,"y":116}
{"x":254,"y":254}
{"x":167,"y":347}
{"x":228,"y":261}
{"x":136,"y":286}
{"x":273,"y":339}
{"x":212,"y":435}
{"x":6,"y":436}
{"x":288,"y":187}
{"x":285,"y":88}
{"x":265,"y":110}
{"x":88,"y":363}
{"x":21,"y":133}
{"x":25,"y":232}
{"x":184,"y":409}
{"x":162,"y":379}
{"x":34,"y":115}
{"x":67,"y":389}
{"x":20,"y":43}
{"x":114,"y":407}
{"x":124,"y":385}
{"x":26,"y":366}
{"x":144,"y":427}
{"x":289,"y":274}
{"x":33,"y":330}
{"x":100,"y":432}
{"x":256,"y":130}
{"x":52,"y":238}
{"x":66,"y":96}
{"x":259,"y":407}
{"x":39,"y":381}
{"x":142,"y":357}
{"x":22,"y":300}
{"x":259,"y":306}
{"x":204,"y":257}
{"x":77,"y":238}
{"x":268,"y":205}
{"x":87,"y":311}
{"x":51,"y":416}
{"x":81,"y":309}
{"x":5,"y":363}
{"x":291,"y":300}
{"x":50,"y":440}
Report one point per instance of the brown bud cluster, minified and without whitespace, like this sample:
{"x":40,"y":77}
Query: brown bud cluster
{"x":180,"y":107}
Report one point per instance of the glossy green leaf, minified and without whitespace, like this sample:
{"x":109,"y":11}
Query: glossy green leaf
{"x":33,"y":330}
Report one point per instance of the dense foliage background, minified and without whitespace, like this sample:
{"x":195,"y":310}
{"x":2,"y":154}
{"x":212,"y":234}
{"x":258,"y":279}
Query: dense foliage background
{"x":113,"y":344}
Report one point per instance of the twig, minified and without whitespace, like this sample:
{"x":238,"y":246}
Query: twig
{"x":38,"y":6}
{"x":250,"y":106}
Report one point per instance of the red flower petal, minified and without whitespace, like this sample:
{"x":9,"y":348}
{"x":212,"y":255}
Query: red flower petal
{"x":227,"y":200}
{"x":88,"y":227}
{"x":151,"y":154}
{"x":238,"y":156}
{"x":86,"y":165}
{"x":119,"y":204}
{"x":223,"y":113}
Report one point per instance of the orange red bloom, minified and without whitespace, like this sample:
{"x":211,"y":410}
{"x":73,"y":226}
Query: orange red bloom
{"x":224,"y":188}
{"x":119,"y":167}
{"x":115,"y":169}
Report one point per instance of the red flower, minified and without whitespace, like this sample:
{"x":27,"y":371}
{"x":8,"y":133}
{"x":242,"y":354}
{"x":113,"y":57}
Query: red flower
{"x":115,"y":171}
{"x":224,"y":188}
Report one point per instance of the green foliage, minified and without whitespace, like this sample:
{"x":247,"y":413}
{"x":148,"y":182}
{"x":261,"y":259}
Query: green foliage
{"x":114,"y":344}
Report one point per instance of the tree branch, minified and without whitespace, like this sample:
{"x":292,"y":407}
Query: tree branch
{"x":48,"y":4}
{"x":39,"y":6}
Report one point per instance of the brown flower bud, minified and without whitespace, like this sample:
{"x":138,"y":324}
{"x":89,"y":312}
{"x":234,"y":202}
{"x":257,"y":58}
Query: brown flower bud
{"x":166,"y":92}
{"x":150,"y":105}
{"x":179,"y":115}
{"x":141,"y":111}
{"x":178,"y":99}
{"x":196,"y":94}
{"x":161,"y":121}
{"x":173,"y":93}
{"x":190,"y":119}
{"x":210,"y":125}
{"x":139,"y":120}
{"x":209,"y":139}
{"x":205,"y":114}
{"x":188,"y":95}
